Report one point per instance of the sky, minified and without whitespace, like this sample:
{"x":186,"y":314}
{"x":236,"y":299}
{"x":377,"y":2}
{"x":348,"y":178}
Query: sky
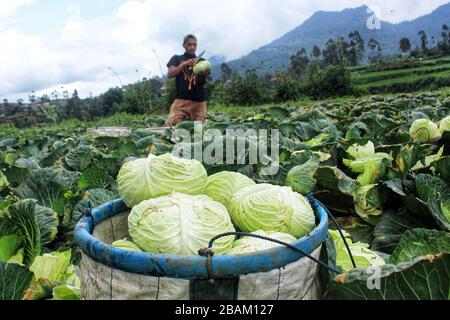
{"x":92,"y":45}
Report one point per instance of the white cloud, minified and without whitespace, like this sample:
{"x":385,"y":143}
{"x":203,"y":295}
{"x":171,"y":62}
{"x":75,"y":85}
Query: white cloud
{"x":9,"y":7}
{"x":125,"y":40}
{"x":8,"y":10}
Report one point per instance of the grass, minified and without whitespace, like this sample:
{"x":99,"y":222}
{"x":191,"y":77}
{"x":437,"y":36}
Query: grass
{"x":407,"y":78}
{"x":365,"y":78}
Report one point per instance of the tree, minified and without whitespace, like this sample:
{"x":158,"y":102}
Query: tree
{"x":44,"y":99}
{"x":375,"y":47}
{"x":316,"y":52}
{"x":32,"y":98}
{"x":356,"y":52}
{"x":248,"y":90}
{"x":326,"y":81}
{"x":5,"y":103}
{"x":330,"y":52}
{"x":299,"y":63}
{"x":226,"y":72}
{"x":336,"y":52}
{"x":423,"y":40}
{"x":444,"y":45}
{"x":405,"y":45}
{"x":114,"y":96}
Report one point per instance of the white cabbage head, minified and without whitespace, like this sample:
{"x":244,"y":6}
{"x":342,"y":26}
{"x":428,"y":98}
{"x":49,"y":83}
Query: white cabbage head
{"x":424,"y":130}
{"x":180,"y":224}
{"x":444,"y":125}
{"x":223,"y":185}
{"x":154,"y":176}
{"x":272,"y":208}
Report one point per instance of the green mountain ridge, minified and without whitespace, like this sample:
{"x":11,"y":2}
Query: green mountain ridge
{"x":322,"y":26}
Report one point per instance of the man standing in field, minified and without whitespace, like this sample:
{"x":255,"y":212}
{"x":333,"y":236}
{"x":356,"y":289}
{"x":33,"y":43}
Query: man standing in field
{"x":191,"y":97}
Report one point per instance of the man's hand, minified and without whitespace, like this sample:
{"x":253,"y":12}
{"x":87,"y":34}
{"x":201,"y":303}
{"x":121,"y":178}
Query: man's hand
{"x":175,"y":71}
{"x":189,"y":63}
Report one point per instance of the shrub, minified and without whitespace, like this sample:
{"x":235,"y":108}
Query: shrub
{"x":330,"y":81}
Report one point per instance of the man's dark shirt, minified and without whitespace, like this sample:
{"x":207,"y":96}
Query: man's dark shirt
{"x":197,"y":93}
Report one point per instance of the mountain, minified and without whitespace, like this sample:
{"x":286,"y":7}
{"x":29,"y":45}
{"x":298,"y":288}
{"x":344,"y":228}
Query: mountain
{"x":217,"y":60}
{"x":322,"y":26}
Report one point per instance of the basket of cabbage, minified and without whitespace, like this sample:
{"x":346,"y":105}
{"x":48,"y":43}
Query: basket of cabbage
{"x":149,"y":240}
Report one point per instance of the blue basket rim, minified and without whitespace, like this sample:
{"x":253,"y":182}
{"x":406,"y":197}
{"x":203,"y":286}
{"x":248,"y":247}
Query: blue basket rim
{"x":175,"y":266}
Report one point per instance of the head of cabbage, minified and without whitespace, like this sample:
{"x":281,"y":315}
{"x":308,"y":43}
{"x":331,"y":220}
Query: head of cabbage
{"x":203,"y":67}
{"x":154,"y":176}
{"x":180,"y":224}
{"x":444,"y":125}
{"x":223,"y":185}
{"x":272,"y":208}
{"x":424,"y":130}
{"x":250,"y":244}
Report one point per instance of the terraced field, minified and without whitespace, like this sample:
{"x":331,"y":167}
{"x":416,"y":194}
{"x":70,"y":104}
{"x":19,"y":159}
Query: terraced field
{"x":401,"y":76}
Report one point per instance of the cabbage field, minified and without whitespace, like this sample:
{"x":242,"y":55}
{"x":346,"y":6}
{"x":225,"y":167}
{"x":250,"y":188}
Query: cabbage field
{"x":381,"y":164}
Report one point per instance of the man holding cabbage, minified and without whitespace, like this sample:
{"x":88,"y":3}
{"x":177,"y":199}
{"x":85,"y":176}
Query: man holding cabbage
{"x":191,"y":76}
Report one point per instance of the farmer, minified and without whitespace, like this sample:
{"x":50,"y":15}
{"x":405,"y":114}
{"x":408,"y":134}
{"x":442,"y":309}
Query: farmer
{"x":190,"y":99}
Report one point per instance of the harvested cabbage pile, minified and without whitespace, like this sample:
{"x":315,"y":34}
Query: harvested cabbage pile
{"x":177,"y":209}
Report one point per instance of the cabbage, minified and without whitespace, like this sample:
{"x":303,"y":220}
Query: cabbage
{"x":429,"y":160}
{"x":272,"y":208}
{"x":444,"y":125}
{"x":357,"y":151}
{"x":250,"y":244}
{"x":126,"y":245}
{"x":369,"y":164}
{"x":66,"y":292}
{"x":363,"y":256}
{"x":424,"y":130}
{"x":180,"y":224}
{"x":54,"y":266}
{"x":203,"y":67}
{"x":222,"y":186}
{"x":367,"y":203}
{"x":153,"y":177}
{"x":3,"y":181}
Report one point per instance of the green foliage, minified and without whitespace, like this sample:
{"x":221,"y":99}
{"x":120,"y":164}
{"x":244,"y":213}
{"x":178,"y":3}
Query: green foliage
{"x":417,"y":243}
{"x":247,"y":90}
{"x":14,"y":280}
{"x":331,"y":81}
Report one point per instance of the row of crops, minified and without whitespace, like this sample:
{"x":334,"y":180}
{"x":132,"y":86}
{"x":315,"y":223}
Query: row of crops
{"x":388,"y":185}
